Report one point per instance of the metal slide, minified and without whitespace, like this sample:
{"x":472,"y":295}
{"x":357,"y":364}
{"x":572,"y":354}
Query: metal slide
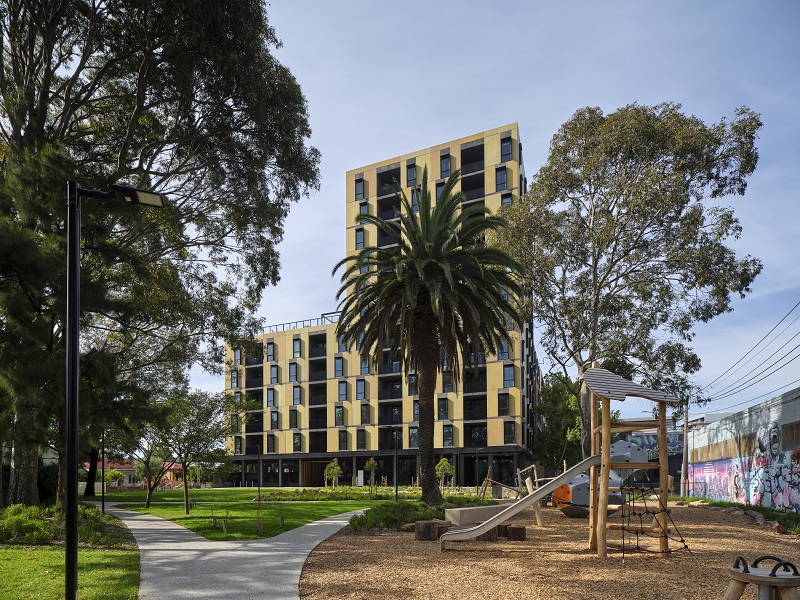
{"x":472,"y":532}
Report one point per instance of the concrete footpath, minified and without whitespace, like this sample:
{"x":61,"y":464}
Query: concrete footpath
{"x":177,"y":563}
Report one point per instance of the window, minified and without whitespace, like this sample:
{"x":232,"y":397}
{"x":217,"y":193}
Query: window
{"x":359,"y":239}
{"x":416,"y":410}
{"x":447,"y":382}
{"x":342,"y":345}
{"x":415,"y":200}
{"x":297,"y":395}
{"x":504,"y":294}
{"x":364,"y":366}
{"x":359,"y":189}
{"x":360,"y":341}
{"x":361,"y":386}
{"x":505,"y":150}
{"x":237,"y":399}
{"x":237,"y":445}
{"x":447,"y":436}
{"x":508,"y":376}
{"x":342,"y":391}
{"x":235,"y":425}
{"x":412,"y":437}
{"x":361,"y":439}
{"x":297,"y":442}
{"x":505,"y":200}
{"x":411,"y":175}
{"x":270,"y":444}
{"x":363,"y":208}
{"x":508,"y":432}
{"x":292,"y":371}
{"x":296,"y":348}
{"x":444,"y":163}
{"x":293,"y":419}
{"x":365,"y":414}
{"x":500,"y":179}
{"x":338,"y":366}
{"x":343,"y":439}
{"x":444,"y":405}
{"x":509,"y":323}
{"x":237,"y":356}
{"x":270,"y":351}
{"x":502,"y":405}
{"x":234,"y":378}
{"x":338,"y":416}
{"x":502,"y":353}
{"x":273,"y":374}
{"x":412,"y":385}
{"x":363,"y":269}
{"x":270,"y":396}
{"x":439,"y":188}
{"x":274,"y":419}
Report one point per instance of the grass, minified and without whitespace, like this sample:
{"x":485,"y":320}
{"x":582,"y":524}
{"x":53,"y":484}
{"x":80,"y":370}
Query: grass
{"x":243,"y":515}
{"x":791,"y":521}
{"x":392,"y":515}
{"x":223,"y":495}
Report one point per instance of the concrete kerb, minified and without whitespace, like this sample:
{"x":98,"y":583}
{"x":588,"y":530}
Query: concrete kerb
{"x":177,"y":563}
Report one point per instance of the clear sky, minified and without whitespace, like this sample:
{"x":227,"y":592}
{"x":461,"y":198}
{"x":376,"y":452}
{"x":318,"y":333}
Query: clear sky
{"x":382,"y":79}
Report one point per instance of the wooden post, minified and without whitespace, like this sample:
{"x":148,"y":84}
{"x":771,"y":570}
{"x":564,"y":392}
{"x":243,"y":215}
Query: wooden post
{"x":593,"y":473}
{"x":663,"y":478}
{"x":605,"y":472}
{"x":516,"y":533}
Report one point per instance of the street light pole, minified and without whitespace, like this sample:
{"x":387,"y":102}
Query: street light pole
{"x":685,"y":462}
{"x":258,"y":449}
{"x":395,"y":463}
{"x":74,"y":193}
{"x":103,"y":475}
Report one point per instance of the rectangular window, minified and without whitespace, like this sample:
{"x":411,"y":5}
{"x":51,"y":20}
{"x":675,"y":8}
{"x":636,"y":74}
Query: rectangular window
{"x":361,"y":388}
{"x":359,"y":189}
{"x":342,"y":345}
{"x":237,"y":399}
{"x":439,"y":188}
{"x":235,"y":425}
{"x":508,"y":376}
{"x":500,"y":179}
{"x":338,"y":415}
{"x":412,"y":385}
{"x":505,"y":150}
{"x":364,"y":366}
{"x":359,"y":239}
{"x":273,"y":374}
{"x":411,"y":175}
{"x":363,"y":208}
{"x":293,"y":419}
{"x":502,"y":353}
{"x":237,"y":356}
{"x":505,"y":200}
{"x":274,"y":420}
{"x":270,"y":352}
{"x":444,"y":163}
{"x":237,"y":445}
{"x":343,"y":439}
{"x":415,"y":199}
{"x":270,"y":396}
{"x":416,"y":410}
{"x":296,"y":348}
{"x":270,"y":444}
{"x":412,"y":437}
{"x":508,"y":432}
{"x":292,"y":371}
{"x":297,"y":395}
{"x":297,"y":442}
{"x":342,"y":391}
{"x":444,"y":405}
{"x":361,"y":439}
{"x":338,"y":366}
{"x":234,"y":378}
{"x":447,"y":436}
{"x":502,"y":405}
{"x":363,"y":269}
{"x":447,"y":381}
{"x":365,"y":414}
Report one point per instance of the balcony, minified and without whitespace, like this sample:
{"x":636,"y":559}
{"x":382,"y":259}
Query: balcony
{"x":389,"y":213}
{"x":472,"y":167}
{"x":317,"y":352}
{"x":318,"y":400}
{"x":474,"y":194}
{"x":386,"y":190}
{"x":475,"y":441}
{"x":318,"y":423}
{"x":474,"y":387}
{"x":318,"y":447}
{"x":318,"y":376}
{"x":390,"y":368}
{"x":390,"y":420}
{"x":385,"y":240}
{"x":390,"y":394}
{"x":253,"y":383}
{"x":475,"y":414}
{"x":253,"y":360}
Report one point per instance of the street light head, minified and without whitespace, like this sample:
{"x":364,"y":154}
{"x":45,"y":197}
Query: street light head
{"x":137,"y":196}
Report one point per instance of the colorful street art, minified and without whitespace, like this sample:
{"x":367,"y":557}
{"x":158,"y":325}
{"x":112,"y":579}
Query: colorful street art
{"x":769,"y":478}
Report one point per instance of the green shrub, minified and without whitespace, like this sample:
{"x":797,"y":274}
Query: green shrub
{"x":28,"y":525}
{"x":392,"y":515}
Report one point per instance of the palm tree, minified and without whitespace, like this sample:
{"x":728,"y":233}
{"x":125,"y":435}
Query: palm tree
{"x":436,"y":294}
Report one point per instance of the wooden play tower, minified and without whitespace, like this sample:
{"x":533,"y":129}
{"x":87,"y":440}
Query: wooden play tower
{"x":604,"y":387}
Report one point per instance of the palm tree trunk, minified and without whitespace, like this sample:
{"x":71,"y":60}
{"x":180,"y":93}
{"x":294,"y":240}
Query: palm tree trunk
{"x":426,"y":352}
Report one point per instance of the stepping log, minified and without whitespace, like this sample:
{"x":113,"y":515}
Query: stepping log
{"x":501,"y":530}
{"x":426,"y":530}
{"x":489,"y":536}
{"x":516,"y":533}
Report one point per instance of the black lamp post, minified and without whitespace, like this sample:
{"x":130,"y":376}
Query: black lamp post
{"x":103,"y":475}
{"x":74,"y":193}
{"x":396,"y":435}
{"x":258,"y":448}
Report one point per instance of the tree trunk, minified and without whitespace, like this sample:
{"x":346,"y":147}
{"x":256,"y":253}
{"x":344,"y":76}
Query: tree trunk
{"x":149,"y":493}
{"x":585,"y":405}
{"x":185,"y":491}
{"x":2,"y":474}
{"x":91,"y":475}
{"x":426,"y":351}
{"x":22,"y":485}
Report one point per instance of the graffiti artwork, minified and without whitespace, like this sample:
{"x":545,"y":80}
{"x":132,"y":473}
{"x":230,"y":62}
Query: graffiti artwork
{"x":769,"y":478}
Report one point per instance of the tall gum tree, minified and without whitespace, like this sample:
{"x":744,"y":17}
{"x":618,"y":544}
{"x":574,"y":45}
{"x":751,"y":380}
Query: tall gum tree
{"x":625,"y":244}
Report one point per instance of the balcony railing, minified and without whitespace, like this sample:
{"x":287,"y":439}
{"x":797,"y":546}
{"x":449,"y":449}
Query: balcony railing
{"x":253,"y":360}
{"x":390,"y":394}
{"x":385,"y":240}
{"x":317,"y":400}
{"x":474,"y":194}
{"x":324,"y":319}
{"x":318,"y":376}
{"x":388,"y":369}
{"x":386,"y":190}
{"x":317,"y":423}
{"x":389,"y":419}
{"x":472,"y":167}
{"x":472,"y":387}
{"x":475,"y":442}
{"x":389,"y":213}
{"x":253,"y":383}
{"x":475,"y":414}
{"x":318,"y":447}
{"x":317,"y":352}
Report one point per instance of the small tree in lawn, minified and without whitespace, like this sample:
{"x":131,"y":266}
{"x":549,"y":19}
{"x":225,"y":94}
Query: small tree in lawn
{"x":444,"y":469}
{"x":370,"y":467}
{"x":114,"y":478}
{"x":333,"y":471}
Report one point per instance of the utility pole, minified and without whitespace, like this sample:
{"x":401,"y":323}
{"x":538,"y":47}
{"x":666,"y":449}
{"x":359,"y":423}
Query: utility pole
{"x":685,"y":464}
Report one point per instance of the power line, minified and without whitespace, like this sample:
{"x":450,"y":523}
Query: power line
{"x":737,"y":389}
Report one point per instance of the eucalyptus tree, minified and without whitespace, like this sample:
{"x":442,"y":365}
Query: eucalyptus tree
{"x":436,"y":295}
{"x":625,"y":242}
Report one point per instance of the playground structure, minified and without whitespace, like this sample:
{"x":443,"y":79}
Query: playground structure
{"x":604,"y":387}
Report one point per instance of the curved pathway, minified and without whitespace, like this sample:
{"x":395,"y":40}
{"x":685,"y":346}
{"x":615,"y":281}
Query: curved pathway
{"x":177,"y":563}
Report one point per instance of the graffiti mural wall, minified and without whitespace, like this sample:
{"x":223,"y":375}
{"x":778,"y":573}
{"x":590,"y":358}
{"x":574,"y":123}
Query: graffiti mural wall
{"x":769,"y":478}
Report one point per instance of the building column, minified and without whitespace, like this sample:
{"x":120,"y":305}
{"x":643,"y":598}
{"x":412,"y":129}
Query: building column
{"x":280,"y":472}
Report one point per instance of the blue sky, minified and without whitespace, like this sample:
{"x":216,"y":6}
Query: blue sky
{"x":382,"y":79}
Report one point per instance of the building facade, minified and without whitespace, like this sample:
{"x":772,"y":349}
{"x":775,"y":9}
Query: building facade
{"x":311,"y":399}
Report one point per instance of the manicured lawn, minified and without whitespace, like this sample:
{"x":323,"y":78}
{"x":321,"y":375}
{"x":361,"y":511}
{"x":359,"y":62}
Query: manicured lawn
{"x":243,"y":494}
{"x":242,"y":516}
{"x":38,"y":572}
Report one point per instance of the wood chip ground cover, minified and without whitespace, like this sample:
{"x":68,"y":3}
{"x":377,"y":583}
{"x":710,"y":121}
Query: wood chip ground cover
{"x":553,"y":563}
